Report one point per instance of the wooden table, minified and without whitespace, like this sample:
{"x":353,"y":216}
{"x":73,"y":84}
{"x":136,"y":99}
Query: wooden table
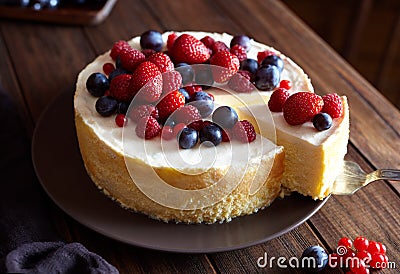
{"x":40,"y":61}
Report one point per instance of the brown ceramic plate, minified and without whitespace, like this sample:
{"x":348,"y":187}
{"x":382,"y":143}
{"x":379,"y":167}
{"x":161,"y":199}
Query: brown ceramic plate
{"x":60,"y":169}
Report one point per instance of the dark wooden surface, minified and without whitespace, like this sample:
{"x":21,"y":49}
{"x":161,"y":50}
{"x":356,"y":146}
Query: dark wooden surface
{"x":40,"y":61}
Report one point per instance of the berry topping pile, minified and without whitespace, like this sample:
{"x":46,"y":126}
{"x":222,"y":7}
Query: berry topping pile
{"x":170,"y":97}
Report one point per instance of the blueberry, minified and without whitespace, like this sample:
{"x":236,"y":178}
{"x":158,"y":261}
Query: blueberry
{"x":203,"y":102}
{"x":118,"y":62}
{"x":225,"y":117}
{"x":314,"y":259}
{"x":267,"y":77}
{"x":97,"y":84}
{"x":151,"y":39}
{"x":322,"y":121}
{"x":186,"y":72}
{"x":210,"y":135}
{"x":122,"y":107}
{"x":250,"y":65}
{"x":116,"y":72}
{"x":273,"y":60}
{"x":185,"y":93}
{"x":106,"y":106}
{"x":242,"y":40}
{"x":187,"y":138}
{"x":204,"y":77}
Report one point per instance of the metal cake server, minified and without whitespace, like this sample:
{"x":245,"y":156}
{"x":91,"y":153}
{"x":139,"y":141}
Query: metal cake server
{"x":353,"y":178}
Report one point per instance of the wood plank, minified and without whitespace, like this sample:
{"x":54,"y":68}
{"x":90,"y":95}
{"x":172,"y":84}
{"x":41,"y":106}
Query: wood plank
{"x":46,"y":61}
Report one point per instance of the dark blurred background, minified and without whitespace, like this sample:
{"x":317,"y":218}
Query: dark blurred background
{"x":365,"y":32}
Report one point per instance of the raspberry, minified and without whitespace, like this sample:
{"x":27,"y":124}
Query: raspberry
{"x":302,"y":107}
{"x":228,"y":65}
{"x":172,"y":80}
{"x":240,"y":82}
{"x":148,"y":52}
{"x":277,"y":99}
{"x":131,"y":58}
{"x":262,"y":54}
{"x":108,"y":68}
{"x":117,"y":48}
{"x":171,"y":40}
{"x":332,"y":105}
{"x":239,"y":51}
{"x":141,"y":111}
{"x":193,"y":88}
{"x":219,"y":46}
{"x":187,"y":114}
{"x":120,"y":88}
{"x":169,"y":103}
{"x":148,"y":79}
{"x":167,"y":133}
{"x":162,"y":61}
{"x":120,"y":120}
{"x":226,"y":135}
{"x":178,"y":128}
{"x":199,"y":124}
{"x":147,"y":128}
{"x":244,"y":131}
{"x":208,"y":41}
{"x":187,"y":49}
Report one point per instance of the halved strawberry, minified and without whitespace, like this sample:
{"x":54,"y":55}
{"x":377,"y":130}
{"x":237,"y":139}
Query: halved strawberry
{"x":162,"y":61}
{"x":147,"y":79}
{"x":228,"y":64}
{"x":302,"y":107}
{"x":188,"y":49}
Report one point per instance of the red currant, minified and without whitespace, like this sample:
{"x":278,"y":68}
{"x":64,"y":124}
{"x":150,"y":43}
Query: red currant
{"x":286,"y":84}
{"x":361,"y":243}
{"x":346,"y":242}
{"x":358,"y":266}
{"x":374,"y":247}
{"x":382,"y":248}
{"x":167,"y":133}
{"x":364,"y":255}
{"x":108,"y":68}
{"x":378,"y":260}
{"x":120,"y":120}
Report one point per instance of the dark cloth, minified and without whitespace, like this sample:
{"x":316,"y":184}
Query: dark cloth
{"x":29,"y":243}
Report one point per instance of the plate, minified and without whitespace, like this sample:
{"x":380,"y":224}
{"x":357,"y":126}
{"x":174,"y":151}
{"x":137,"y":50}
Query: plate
{"x":61,"y":171}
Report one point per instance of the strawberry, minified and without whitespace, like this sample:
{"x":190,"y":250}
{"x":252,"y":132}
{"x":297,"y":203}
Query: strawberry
{"x":172,"y":80}
{"x":169,"y":103}
{"x":239,"y":51}
{"x":262,"y":54}
{"x":332,"y":105}
{"x":302,"y":107}
{"x":171,"y":40}
{"x":240,"y":82}
{"x":187,"y":49}
{"x":228,"y":64}
{"x":244,"y":131}
{"x":187,"y":114}
{"x":219,"y":46}
{"x":120,"y":88}
{"x":141,"y":111}
{"x":277,"y":99}
{"x":117,"y":48}
{"x":148,"y":79}
{"x":147,"y":128}
{"x":131,"y":58}
{"x":162,"y":61}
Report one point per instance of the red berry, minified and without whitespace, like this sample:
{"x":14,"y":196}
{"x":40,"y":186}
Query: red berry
{"x":167,"y":133}
{"x":162,"y":61}
{"x":171,"y":40}
{"x":196,"y":125}
{"x":187,"y":114}
{"x":108,"y":68}
{"x":374,"y":247}
{"x":382,"y":248}
{"x":262,"y":54}
{"x":208,"y":41}
{"x":120,"y":88}
{"x":188,"y":49}
{"x":239,"y":51}
{"x":240,"y":82}
{"x":378,"y":261}
{"x":117,"y":48}
{"x":364,"y":255}
{"x":346,"y":242}
{"x":219,"y":46}
{"x":244,"y":131}
{"x":278,"y":99}
{"x":193,"y":88}
{"x":131,"y":58}
{"x":226,"y":135}
{"x":212,"y":96}
{"x":148,"y":79}
{"x":147,"y":128}
{"x":360,"y":243}
{"x":148,"y":52}
{"x":141,"y":111}
{"x":172,"y":80}
{"x":358,"y":266}
{"x":332,"y":105}
{"x":120,"y":120}
{"x":302,"y":107}
{"x":169,"y":103}
{"x":286,"y":84}
{"x":177,"y":129}
{"x":228,"y":64}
